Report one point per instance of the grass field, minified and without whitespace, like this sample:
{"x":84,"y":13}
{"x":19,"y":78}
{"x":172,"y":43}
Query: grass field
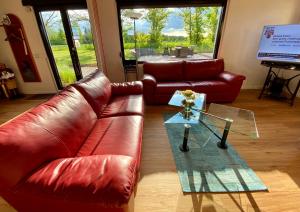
{"x":86,"y":54}
{"x":87,"y":57}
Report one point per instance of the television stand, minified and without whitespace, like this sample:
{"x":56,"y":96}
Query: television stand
{"x":274,"y":85}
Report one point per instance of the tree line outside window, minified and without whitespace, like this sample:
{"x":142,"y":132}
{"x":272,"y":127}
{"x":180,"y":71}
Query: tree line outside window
{"x":197,"y":30}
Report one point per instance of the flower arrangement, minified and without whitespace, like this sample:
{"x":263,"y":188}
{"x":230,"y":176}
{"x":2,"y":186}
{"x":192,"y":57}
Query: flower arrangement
{"x":188,"y":94}
{"x":188,"y":102}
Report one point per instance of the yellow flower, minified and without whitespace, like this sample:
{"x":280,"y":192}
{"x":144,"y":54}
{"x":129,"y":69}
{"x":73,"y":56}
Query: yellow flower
{"x":189,"y":94}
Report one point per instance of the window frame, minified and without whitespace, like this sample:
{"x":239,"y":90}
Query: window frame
{"x":139,"y":4}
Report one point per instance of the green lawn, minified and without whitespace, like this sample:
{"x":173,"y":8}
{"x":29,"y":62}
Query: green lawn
{"x":87,"y":57}
{"x":86,"y":54}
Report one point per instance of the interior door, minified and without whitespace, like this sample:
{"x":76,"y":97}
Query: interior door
{"x":67,"y":37}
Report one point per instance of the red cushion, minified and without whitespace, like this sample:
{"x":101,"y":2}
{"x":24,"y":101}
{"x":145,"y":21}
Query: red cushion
{"x":171,"y":87}
{"x":24,"y":145}
{"x":119,"y":135}
{"x":124,"y":105}
{"x":167,"y":71}
{"x":68,"y":116}
{"x":96,"y":88}
{"x":203,"y":70}
{"x":210,"y":86}
{"x":52,"y":130}
{"x":127,"y":88}
{"x":99,"y":180}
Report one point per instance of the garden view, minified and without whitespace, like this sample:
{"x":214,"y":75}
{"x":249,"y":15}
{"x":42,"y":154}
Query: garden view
{"x":82,"y":35}
{"x":161,"y":29}
{"x":158,"y":31}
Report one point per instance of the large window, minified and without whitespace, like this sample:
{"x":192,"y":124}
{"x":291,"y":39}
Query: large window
{"x":166,"y":32}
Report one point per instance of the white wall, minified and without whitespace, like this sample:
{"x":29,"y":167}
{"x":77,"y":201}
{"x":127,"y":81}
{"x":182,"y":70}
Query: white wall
{"x":240,"y":38}
{"x":107,"y":11}
{"x":243,"y":26}
{"x":33,"y":35}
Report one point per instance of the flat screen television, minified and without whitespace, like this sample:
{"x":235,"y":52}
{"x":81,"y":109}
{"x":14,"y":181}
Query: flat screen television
{"x":280,"y":43}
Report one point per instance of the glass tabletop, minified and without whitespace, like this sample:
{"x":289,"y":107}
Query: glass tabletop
{"x":243,"y":121}
{"x":217,"y":119}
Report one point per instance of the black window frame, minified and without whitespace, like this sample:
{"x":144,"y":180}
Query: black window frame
{"x":61,"y":6}
{"x":136,"y":4}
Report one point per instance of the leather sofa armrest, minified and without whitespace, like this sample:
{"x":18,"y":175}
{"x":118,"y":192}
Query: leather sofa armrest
{"x":127,"y":88}
{"x":229,"y":77}
{"x":150,"y":84}
{"x":149,"y":80}
{"x":105,"y":180}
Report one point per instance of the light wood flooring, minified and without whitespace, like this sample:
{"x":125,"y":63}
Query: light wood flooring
{"x":275,"y":157}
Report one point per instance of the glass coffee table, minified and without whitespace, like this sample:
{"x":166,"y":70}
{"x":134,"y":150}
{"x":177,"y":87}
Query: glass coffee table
{"x":218,"y":119}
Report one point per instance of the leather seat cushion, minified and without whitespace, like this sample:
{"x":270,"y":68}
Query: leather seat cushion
{"x":211,"y":86}
{"x":124,"y":105}
{"x":171,"y":87}
{"x":120,"y":135}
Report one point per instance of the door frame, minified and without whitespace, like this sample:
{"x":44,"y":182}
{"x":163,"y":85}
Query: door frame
{"x":69,"y":38}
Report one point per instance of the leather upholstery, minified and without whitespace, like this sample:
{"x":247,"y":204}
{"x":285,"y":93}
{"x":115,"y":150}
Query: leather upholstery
{"x":171,"y":87}
{"x":124,"y":105}
{"x":59,"y":156}
{"x":203,"y":69}
{"x":210,"y":86}
{"x":230,"y":77}
{"x":88,"y":179}
{"x":149,"y":86}
{"x":168,"y":71}
{"x":67,"y":116}
{"x":92,"y":183}
{"x":127,"y":88}
{"x":54,"y":129}
{"x":207,"y":76}
{"x":127,"y":99}
{"x":107,"y":134}
{"x":19,"y":158}
{"x":96,"y":88}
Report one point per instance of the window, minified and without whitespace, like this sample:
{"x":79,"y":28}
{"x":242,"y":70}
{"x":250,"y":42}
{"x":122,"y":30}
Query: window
{"x":170,"y":31}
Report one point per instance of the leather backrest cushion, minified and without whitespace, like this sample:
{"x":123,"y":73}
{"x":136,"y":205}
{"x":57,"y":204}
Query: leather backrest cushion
{"x":52,"y":130}
{"x":96,"y":88}
{"x":68,"y":116}
{"x":203,"y":69}
{"x":24,"y":146}
{"x":165,"y":71}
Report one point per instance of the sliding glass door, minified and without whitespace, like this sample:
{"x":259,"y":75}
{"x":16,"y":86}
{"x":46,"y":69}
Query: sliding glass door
{"x":68,"y":40}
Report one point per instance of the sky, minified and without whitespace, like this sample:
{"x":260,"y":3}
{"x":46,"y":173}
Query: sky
{"x":174,"y":25}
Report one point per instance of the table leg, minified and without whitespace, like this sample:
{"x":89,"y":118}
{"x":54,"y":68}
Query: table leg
{"x":266,"y":83}
{"x":5,"y":90}
{"x":184,"y":147}
{"x":222,"y":144}
{"x":295,"y":93}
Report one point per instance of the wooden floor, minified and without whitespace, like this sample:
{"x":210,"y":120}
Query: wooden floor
{"x":275,"y":158}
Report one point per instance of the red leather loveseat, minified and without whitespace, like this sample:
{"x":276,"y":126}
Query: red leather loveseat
{"x":161,"y":80}
{"x":79,"y":151}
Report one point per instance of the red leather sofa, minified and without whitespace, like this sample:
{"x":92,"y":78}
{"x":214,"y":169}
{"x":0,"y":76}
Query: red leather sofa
{"x":161,"y":80}
{"x":79,"y":151}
